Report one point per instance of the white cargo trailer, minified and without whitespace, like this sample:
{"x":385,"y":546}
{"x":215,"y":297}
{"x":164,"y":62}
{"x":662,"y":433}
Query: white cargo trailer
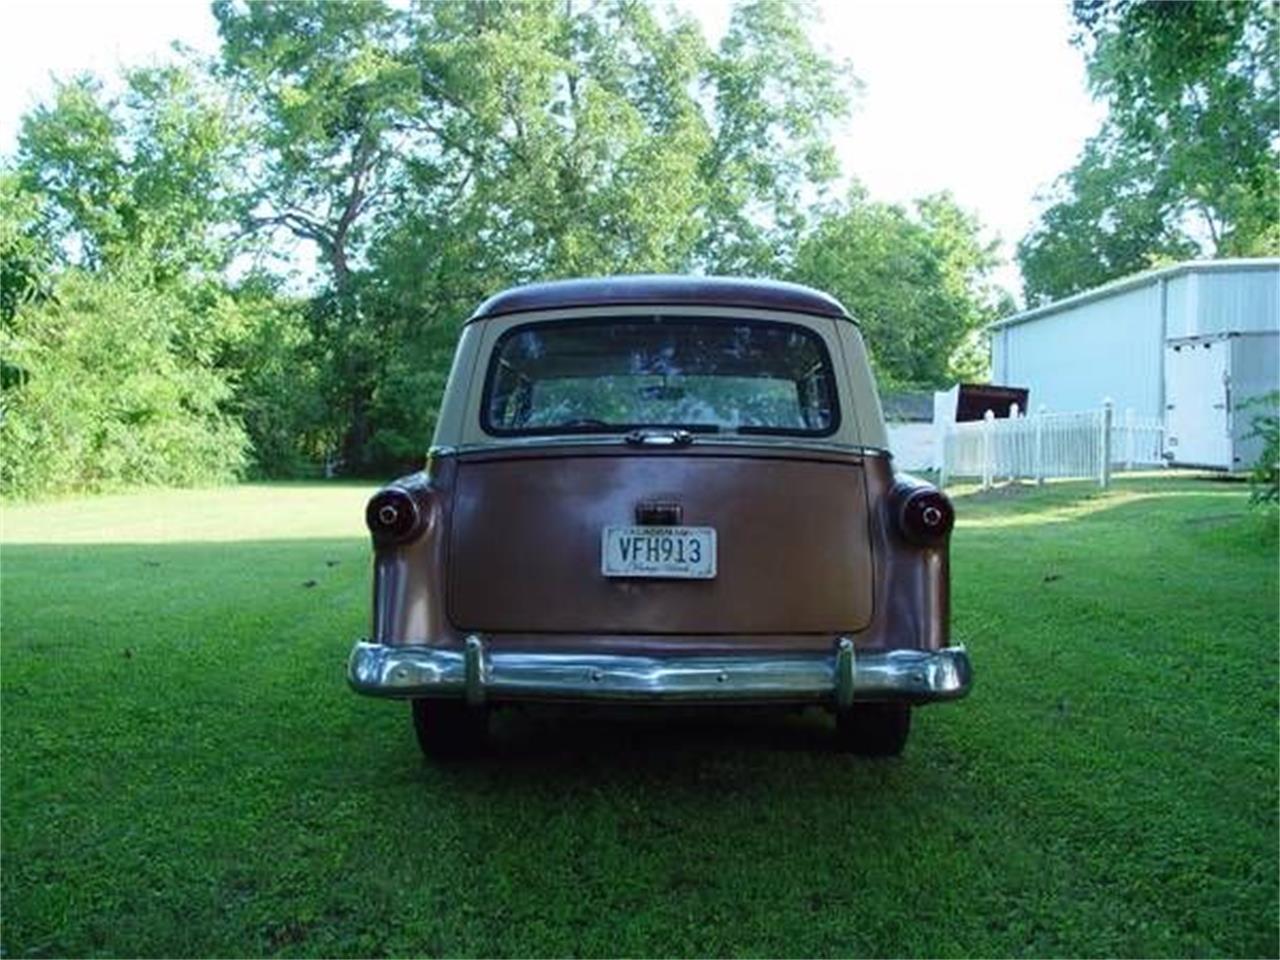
{"x":1192,"y":344}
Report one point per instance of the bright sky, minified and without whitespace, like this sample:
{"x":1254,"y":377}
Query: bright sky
{"x":985,"y":99}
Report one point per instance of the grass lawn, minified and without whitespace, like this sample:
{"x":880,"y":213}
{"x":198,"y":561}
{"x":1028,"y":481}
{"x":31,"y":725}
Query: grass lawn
{"x":185,"y":772}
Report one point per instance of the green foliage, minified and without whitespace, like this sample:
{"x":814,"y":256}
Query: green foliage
{"x":27,"y":255}
{"x":437,"y":153}
{"x":112,"y":232}
{"x":109,"y":397}
{"x":1264,"y":473}
{"x":149,"y":178}
{"x":580,"y":138}
{"x":328,"y":94}
{"x":775,"y":101}
{"x":277,"y":368}
{"x":917,"y":281}
{"x":1110,"y":216}
{"x":1186,"y":163}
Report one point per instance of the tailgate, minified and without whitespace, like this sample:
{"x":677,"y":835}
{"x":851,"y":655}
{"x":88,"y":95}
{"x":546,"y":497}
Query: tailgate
{"x":793,"y":550}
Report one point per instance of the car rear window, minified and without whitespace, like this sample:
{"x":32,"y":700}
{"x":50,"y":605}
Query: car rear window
{"x":697,"y":374}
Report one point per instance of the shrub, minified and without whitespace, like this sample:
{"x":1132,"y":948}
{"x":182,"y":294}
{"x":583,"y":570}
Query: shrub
{"x":1264,"y":475}
{"x":111,"y":394}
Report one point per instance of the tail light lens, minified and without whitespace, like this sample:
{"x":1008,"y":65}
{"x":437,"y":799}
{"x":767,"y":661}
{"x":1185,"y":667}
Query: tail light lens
{"x":393,"y":516}
{"x":925,"y":516}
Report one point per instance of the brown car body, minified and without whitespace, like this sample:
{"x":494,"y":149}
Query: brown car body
{"x":831,"y":583}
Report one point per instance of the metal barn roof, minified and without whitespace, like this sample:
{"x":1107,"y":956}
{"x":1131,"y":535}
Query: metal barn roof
{"x":1138,"y":280}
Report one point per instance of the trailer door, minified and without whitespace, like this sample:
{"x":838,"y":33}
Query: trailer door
{"x":1198,"y":403}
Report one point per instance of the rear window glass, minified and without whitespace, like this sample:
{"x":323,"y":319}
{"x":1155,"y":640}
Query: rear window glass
{"x":700,"y":375}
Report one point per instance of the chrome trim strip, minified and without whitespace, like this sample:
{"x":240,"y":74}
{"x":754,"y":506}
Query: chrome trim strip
{"x":620,"y":440}
{"x":478,"y":674}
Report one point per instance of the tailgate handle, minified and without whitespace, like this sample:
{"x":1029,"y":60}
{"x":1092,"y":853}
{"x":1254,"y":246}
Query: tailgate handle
{"x":659,"y":514}
{"x":666,"y":438}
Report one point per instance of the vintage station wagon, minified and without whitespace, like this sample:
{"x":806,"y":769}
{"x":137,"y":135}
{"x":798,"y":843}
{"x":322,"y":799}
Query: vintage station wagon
{"x":660,"y":491}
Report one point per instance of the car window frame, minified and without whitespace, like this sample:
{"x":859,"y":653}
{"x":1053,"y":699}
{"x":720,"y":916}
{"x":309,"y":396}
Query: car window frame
{"x":493,"y":354}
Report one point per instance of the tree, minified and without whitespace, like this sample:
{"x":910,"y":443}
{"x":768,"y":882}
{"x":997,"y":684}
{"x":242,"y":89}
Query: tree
{"x":776,"y":99}
{"x":279,"y":366}
{"x":1115,"y":213}
{"x":147,"y":178}
{"x":331,"y":97}
{"x":436,"y":153}
{"x":575,"y":149}
{"x":917,"y":282}
{"x":428,"y":154}
{"x":116,"y":225}
{"x":328,"y":91}
{"x":1186,"y":162}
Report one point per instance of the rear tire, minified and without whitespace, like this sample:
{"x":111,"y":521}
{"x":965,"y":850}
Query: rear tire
{"x":874,"y":729}
{"x":449,"y":729}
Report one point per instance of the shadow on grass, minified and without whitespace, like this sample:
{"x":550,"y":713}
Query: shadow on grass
{"x":532,"y":742}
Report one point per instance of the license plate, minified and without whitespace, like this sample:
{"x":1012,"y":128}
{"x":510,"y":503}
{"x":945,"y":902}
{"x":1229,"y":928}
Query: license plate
{"x":675,"y":552}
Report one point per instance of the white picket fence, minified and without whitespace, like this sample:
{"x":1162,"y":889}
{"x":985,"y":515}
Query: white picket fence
{"x":1044,"y":446}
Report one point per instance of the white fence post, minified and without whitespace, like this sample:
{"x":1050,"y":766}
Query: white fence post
{"x":1104,"y":471}
{"x":944,"y":456}
{"x":1129,"y":438}
{"x":988,"y":449}
{"x":1039,"y":421}
{"x":1013,"y":449}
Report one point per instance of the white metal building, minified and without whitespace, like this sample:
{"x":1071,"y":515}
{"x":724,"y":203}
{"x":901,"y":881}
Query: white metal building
{"x":1188,"y":343}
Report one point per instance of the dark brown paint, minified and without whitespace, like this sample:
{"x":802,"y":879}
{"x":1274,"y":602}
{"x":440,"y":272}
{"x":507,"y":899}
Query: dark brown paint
{"x":524,"y":553}
{"x":656,"y":290}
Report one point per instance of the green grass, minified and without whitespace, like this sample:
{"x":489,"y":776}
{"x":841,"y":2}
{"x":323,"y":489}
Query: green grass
{"x":185,"y":772}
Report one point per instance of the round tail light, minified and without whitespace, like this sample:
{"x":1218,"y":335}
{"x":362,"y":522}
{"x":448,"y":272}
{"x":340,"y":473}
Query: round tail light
{"x":926,"y":517}
{"x":393,"y":516}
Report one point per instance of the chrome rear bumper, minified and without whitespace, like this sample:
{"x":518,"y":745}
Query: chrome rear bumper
{"x":837,"y":679}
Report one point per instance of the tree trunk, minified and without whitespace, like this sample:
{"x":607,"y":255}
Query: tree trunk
{"x":355,"y":444}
